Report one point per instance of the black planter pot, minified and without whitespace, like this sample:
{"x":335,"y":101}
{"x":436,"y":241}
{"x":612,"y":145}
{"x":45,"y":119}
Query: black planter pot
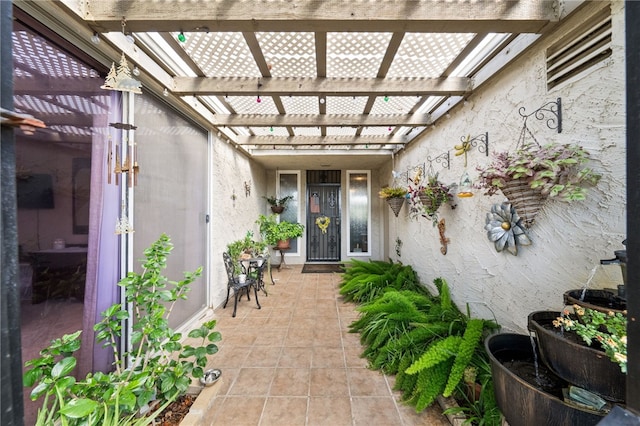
{"x":599,"y":300}
{"x":578,"y":364}
{"x":521,"y":400}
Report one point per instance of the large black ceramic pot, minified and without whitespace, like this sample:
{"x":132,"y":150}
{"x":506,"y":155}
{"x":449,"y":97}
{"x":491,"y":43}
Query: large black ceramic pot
{"x":527,"y":397}
{"x":574,"y":361}
{"x":599,"y":300}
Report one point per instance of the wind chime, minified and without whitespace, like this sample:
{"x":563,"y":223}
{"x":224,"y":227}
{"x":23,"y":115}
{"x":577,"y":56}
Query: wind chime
{"x":122,"y":158}
{"x":122,"y":167}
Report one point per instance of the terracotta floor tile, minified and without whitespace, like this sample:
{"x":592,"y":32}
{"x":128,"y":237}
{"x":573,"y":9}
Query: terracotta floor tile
{"x":363,"y":383}
{"x":374,"y":411}
{"x":263,"y":356}
{"x":231,"y":356}
{"x":252,"y":381}
{"x":290,"y":382}
{"x":240,"y":411}
{"x":295,"y":363}
{"x":327,"y":357}
{"x":290,"y":411}
{"x":295,"y":357}
{"x":329,"y":411}
{"x":328,"y":382}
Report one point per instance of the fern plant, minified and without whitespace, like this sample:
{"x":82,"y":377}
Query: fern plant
{"x":366,"y":281}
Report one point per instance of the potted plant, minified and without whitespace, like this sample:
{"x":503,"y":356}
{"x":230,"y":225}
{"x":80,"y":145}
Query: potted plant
{"x":278,"y":233}
{"x":245,"y":248}
{"x":278,"y":204}
{"x":532,"y":173}
{"x":395,"y":196}
{"x":431,"y":196}
{"x":159,"y":369}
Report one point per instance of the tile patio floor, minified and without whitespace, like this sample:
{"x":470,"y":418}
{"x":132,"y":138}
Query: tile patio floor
{"x":293,"y":362}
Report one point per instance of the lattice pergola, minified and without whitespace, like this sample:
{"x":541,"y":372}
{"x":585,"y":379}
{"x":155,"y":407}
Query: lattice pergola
{"x":276,"y":75}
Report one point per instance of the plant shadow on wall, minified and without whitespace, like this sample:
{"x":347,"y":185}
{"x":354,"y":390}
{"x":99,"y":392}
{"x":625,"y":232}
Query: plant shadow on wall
{"x":158,"y":370}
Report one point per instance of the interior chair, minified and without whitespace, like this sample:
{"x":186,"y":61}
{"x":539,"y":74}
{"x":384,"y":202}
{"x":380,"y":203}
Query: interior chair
{"x":235,"y":284}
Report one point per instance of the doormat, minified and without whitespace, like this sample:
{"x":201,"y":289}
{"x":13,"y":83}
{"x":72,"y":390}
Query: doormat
{"x":322,"y":268}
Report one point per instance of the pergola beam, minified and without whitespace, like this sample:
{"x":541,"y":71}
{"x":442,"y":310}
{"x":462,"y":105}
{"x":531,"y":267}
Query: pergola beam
{"x":320,"y":140}
{"x":203,"y":86}
{"x":311,"y":120}
{"x":507,"y":16}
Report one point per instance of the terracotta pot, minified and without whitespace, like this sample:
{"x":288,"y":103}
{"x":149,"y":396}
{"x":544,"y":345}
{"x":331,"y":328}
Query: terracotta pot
{"x":283,"y":245}
{"x":277,"y":209}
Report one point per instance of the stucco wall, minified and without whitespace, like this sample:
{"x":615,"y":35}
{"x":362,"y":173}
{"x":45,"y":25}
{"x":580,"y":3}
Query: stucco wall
{"x":568,"y":239}
{"x":231,"y":219}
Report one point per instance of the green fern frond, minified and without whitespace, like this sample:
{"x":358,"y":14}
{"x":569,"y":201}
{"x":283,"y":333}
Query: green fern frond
{"x":469,"y":344}
{"x":437,"y":352}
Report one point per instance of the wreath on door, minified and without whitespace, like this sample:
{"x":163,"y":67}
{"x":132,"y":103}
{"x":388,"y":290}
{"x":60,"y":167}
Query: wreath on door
{"x":323,"y":223}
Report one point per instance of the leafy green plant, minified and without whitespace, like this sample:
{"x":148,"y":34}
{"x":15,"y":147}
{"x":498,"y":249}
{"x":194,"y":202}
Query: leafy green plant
{"x":553,"y":169}
{"x":245,"y":247}
{"x":158,"y":368}
{"x":609,"y":330}
{"x":273,"y":231}
{"x":478,"y":406}
{"x":392,"y":192}
{"x":275,"y":201}
{"x":427,"y":199}
{"x":364,"y":281}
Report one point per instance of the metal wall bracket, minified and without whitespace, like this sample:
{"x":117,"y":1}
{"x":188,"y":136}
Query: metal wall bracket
{"x":551,"y":112}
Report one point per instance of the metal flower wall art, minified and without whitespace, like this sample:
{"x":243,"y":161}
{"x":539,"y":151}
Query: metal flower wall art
{"x":505,"y":228}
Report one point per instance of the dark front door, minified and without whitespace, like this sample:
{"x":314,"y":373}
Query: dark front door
{"x":323,"y":222}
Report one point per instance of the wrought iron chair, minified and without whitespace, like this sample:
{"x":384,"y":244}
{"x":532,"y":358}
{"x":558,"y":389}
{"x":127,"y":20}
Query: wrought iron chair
{"x":237,"y":286}
{"x":258,"y":268}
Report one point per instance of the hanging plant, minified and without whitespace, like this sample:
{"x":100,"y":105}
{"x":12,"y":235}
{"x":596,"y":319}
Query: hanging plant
{"x":395,"y":197}
{"x":532,"y":173}
{"x":427,"y":199}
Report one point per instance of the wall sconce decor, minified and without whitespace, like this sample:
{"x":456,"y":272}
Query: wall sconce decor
{"x":247,"y":188}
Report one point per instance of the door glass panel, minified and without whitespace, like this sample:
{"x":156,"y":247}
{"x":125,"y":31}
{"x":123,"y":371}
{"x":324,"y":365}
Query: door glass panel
{"x":358,"y":210}
{"x":288,"y":183}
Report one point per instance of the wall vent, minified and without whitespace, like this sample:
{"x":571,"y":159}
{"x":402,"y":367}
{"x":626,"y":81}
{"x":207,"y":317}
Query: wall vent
{"x":585,"y":46}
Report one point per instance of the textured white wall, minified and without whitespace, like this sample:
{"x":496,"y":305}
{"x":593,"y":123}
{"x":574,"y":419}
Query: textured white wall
{"x":568,"y":239}
{"x":230,"y":220}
